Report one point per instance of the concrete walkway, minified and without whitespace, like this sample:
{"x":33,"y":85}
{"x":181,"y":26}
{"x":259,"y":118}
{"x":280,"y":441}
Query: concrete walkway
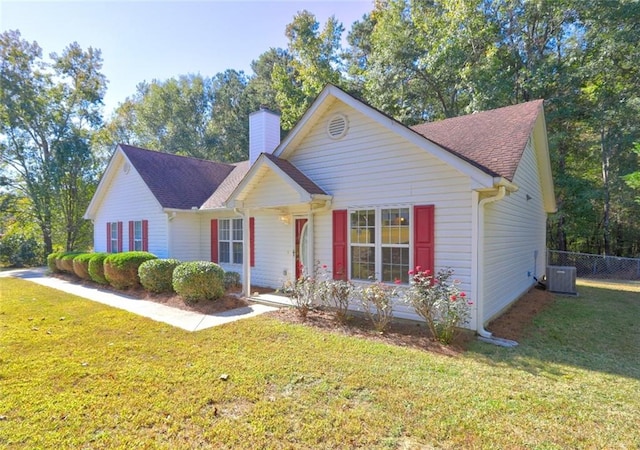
{"x":187,"y":320}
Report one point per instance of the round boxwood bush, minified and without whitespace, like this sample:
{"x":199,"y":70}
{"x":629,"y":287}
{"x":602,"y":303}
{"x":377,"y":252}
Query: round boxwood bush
{"x":96,"y":267}
{"x":231,"y":280}
{"x":156,"y":275}
{"x":199,"y":280}
{"x":81,"y":265}
{"x":121,"y":269}
{"x":52,"y":261}
{"x":65,"y":262}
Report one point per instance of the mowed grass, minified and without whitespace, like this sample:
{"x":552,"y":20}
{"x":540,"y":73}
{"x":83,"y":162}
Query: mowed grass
{"x":76,"y":374}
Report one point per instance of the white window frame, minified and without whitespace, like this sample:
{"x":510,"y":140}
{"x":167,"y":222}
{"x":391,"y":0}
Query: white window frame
{"x":137,"y":235}
{"x":233,"y":228}
{"x":378,"y":245}
{"x":113,"y":237}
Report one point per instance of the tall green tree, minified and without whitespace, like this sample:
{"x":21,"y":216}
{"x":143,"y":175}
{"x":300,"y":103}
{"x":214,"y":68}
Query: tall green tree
{"x":44,"y":105}
{"x":171,"y":116}
{"x":316,"y":60}
{"x":611,"y":93}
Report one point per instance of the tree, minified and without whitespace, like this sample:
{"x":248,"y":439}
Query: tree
{"x":611,"y":92}
{"x":43,"y":107}
{"x":409,"y":61}
{"x":172,"y":116}
{"x":316,"y":60}
{"x":633,"y":179}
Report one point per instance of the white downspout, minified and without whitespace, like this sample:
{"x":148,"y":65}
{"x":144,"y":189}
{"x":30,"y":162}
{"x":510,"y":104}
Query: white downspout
{"x":246,"y":252}
{"x":485,"y":335}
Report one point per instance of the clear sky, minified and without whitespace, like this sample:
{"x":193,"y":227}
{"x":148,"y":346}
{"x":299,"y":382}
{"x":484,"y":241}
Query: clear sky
{"x":146,"y":40}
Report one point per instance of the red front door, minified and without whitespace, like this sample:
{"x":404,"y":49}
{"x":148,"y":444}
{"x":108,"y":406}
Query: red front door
{"x":300,"y":223}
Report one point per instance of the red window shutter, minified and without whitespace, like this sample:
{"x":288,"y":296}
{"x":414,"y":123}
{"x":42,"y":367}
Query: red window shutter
{"x":145,"y":235}
{"x":214,"y":240}
{"x":340,"y":271}
{"x":131,"y":243}
{"x":119,"y":236}
{"x":424,"y":237}
{"x":108,"y":237}
{"x":252,"y":235}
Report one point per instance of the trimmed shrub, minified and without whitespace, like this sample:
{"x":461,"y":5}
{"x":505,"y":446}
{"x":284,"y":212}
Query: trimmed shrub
{"x":121,"y":269}
{"x":231,"y":280}
{"x":199,"y":280}
{"x":96,"y":267}
{"x":52,"y":260}
{"x":81,"y":265}
{"x":65,"y":262}
{"x":156,"y":275}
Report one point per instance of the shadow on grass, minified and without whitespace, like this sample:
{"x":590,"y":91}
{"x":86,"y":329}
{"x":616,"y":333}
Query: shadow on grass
{"x":597,"y":331}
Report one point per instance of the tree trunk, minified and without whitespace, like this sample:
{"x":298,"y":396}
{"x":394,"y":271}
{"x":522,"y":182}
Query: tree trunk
{"x":606,"y":194}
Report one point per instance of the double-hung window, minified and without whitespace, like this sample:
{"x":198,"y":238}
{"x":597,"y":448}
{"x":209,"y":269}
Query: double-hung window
{"x":113,"y":237}
{"x":137,"y":236}
{"x":230,"y":241}
{"x":380,"y":244}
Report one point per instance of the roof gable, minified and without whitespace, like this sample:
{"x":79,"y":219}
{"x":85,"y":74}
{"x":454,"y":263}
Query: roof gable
{"x":486,"y":146}
{"x":287,"y":172}
{"x":492,"y":140}
{"x":178,"y":182}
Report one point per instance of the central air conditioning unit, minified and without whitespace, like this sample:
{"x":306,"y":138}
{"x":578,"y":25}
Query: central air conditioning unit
{"x":562,"y":280}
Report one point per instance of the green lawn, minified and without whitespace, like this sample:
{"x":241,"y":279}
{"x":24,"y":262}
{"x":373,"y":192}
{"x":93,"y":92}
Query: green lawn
{"x":76,"y":374}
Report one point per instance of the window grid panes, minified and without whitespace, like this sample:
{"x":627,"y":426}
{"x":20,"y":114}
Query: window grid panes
{"x":114,"y":237}
{"x":363,"y":239}
{"x":230,"y":241}
{"x":395,"y":232}
{"x":137,"y":236}
{"x":380,"y":244}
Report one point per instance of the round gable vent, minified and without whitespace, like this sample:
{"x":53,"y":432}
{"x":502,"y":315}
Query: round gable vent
{"x":337,"y":126}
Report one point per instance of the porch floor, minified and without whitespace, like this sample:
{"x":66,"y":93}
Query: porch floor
{"x":272,"y":299}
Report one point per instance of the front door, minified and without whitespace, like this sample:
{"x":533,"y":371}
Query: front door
{"x":301,"y":246}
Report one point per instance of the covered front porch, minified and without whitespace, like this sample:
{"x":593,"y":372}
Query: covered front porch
{"x":279,"y":205}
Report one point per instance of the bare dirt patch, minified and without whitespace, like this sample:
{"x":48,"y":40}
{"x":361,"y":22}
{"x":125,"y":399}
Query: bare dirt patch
{"x":512,"y":324}
{"x":516,"y":321}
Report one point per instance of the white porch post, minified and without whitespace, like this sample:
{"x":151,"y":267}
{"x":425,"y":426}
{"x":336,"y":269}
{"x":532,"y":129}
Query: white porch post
{"x":310,"y":249}
{"x":246,"y":254}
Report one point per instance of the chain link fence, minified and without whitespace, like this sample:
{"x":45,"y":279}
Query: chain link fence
{"x":597,"y":266}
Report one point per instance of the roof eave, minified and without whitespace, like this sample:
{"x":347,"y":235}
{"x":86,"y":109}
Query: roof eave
{"x":479,"y":177}
{"x":90,"y":212}
{"x":541,"y":148}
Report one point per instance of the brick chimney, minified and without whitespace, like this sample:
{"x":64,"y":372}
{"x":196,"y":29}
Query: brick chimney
{"x":264,"y":132}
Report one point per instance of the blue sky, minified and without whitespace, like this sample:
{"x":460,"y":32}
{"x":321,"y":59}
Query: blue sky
{"x":146,"y":40}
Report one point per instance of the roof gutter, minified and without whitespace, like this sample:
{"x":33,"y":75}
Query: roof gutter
{"x":483,"y":334}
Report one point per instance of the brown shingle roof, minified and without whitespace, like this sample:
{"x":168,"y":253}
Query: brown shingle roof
{"x":491,"y":140}
{"x":295,"y":174}
{"x":177,"y":181}
{"x":225,"y":189}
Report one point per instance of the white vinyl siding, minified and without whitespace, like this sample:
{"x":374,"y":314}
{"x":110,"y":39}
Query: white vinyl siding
{"x":274,"y":243}
{"x":128,"y":198}
{"x":184,"y":236}
{"x":271,"y":191}
{"x":373,"y":167}
{"x":515,"y":241}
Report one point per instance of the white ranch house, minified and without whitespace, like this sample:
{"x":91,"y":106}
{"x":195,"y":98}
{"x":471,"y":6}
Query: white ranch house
{"x":351,"y":188}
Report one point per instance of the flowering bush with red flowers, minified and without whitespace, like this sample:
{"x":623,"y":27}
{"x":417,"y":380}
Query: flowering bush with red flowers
{"x":437,"y":299}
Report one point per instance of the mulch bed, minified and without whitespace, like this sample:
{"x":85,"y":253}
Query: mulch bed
{"x":512,"y":324}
